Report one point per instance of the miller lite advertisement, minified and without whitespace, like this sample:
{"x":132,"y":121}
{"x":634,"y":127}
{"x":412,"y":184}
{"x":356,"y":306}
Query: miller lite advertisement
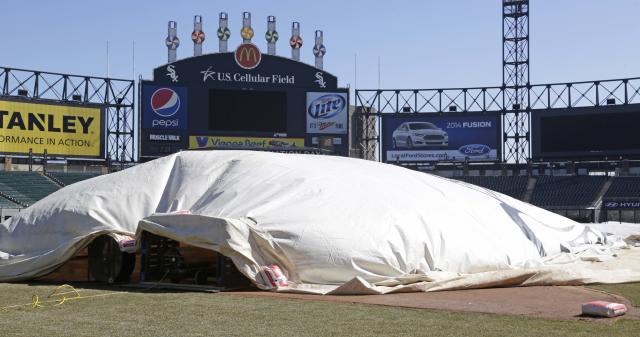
{"x":327,"y":113}
{"x":164,"y":107}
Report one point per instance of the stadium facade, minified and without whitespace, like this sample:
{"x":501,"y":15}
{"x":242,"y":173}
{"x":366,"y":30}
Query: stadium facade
{"x":535,"y":142}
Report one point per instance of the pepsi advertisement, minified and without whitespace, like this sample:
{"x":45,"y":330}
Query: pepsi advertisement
{"x":440,"y":138}
{"x":164,"y":107}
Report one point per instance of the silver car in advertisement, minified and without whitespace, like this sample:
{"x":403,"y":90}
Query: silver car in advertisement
{"x":410,"y":135}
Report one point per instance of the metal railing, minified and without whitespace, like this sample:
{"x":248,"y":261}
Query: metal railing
{"x":373,"y":104}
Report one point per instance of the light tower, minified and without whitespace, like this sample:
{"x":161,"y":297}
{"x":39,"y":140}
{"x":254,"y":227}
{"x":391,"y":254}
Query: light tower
{"x":515,"y":79}
{"x":223,"y":32}
{"x":247,"y":31}
{"x":197,"y":36}
{"x":296,"y":41}
{"x":319,"y":50}
{"x":271,"y":35}
{"x":172,"y":41}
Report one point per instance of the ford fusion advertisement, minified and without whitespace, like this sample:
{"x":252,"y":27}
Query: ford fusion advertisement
{"x":440,"y":138}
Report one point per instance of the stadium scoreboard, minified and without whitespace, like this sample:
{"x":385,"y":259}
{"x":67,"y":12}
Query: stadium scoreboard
{"x":586,"y":133}
{"x":241,"y":100}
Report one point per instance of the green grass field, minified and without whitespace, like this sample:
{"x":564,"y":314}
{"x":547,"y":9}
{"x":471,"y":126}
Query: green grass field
{"x":198,"y":314}
{"x":630,"y":291}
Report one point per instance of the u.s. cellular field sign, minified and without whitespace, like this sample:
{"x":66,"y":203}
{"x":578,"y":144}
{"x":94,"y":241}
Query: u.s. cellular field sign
{"x":60,"y":130}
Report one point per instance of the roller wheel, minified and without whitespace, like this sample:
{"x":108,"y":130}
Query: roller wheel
{"x":107,"y":263}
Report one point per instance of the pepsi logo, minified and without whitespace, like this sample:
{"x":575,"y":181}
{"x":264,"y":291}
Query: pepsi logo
{"x":474,"y":149}
{"x":327,"y":106}
{"x":165,"y":102}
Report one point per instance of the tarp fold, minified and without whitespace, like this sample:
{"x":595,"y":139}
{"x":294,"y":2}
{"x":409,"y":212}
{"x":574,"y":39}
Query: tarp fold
{"x":332,"y":224}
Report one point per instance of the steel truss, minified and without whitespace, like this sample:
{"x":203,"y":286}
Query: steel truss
{"x":515,"y":79}
{"x":374,"y":104}
{"x":117,"y":96}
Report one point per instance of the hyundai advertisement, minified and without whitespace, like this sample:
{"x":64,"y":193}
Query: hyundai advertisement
{"x":164,"y":107}
{"x":440,"y":138}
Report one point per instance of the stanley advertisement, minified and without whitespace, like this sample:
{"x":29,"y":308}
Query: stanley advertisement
{"x":59,"y":130}
{"x":213,"y":142}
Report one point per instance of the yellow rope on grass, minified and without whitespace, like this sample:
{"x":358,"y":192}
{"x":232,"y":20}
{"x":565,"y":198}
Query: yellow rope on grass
{"x":58,"y":297}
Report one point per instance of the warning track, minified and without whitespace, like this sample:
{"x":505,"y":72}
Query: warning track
{"x":560,"y":302}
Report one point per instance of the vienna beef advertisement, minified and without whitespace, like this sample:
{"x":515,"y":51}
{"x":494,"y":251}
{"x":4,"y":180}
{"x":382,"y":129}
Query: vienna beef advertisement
{"x":60,"y":130}
{"x":215,"y":142}
{"x":421,"y":138}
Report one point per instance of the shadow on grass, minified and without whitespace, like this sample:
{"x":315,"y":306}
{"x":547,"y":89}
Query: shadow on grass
{"x":131,"y":287}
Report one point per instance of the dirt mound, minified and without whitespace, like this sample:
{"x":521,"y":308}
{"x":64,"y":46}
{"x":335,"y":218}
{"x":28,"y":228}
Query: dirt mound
{"x":559,"y":302}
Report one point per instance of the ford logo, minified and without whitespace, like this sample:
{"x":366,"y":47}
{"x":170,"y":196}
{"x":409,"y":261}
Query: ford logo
{"x":474,"y":150}
{"x":327,"y":106}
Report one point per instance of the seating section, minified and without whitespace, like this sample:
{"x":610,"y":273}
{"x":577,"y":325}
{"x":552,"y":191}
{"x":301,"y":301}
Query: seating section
{"x":513,"y":186}
{"x":68,"y":178}
{"x":623,"y":188}
{"x":555,"y":192}
{"x":26,"y":187}
{"x":6,"y":203}
{"x":23,"y":188}
{"x":19,"y":188}
{"x":567,"y":191}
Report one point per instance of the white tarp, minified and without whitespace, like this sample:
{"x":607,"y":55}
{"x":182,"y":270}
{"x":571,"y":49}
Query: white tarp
{"x":620,"y":230}
{"x":330,"y":223}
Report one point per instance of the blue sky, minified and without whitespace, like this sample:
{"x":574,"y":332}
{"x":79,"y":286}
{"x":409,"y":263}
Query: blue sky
{"x":423,"y":44}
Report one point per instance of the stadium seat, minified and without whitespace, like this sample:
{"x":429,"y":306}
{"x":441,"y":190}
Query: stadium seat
{"x":26,"y":187}
{"x":567,"y":191}
{"x":68,"y":178}
{"x":513,"y":186}
{"x":624,"y":188}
